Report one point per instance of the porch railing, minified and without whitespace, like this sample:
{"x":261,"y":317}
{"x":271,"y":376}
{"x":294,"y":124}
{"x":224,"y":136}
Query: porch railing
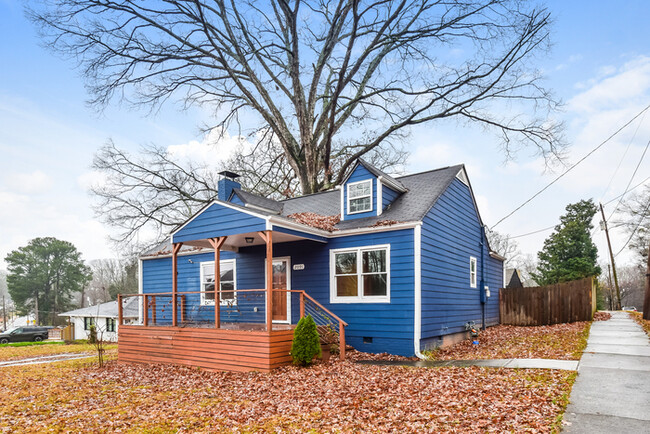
{"x":244,"y":309}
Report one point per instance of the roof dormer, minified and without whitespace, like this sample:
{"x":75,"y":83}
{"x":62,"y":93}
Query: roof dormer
{"x":367,"y":192}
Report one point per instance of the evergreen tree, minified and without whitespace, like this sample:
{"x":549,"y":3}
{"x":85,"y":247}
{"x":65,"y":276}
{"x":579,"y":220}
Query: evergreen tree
{"x":306,"y":342}
{"x":569,"y":253}
{"x":43,"y":276}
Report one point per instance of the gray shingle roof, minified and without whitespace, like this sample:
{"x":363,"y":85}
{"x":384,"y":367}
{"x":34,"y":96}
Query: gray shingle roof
{"x":421,"y":191}
{"x":109,"y":310}
{"x":372,"y":169}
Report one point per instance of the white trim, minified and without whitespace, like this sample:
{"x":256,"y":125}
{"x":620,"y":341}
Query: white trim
{"x":360,"y":197}
{"x":360,"y":298}
{"x":205,"y":302}
{"x":340,"y":187}
{"x":462,"y":176}
{"x":358,"y":231}
{"x":380,"y":199}
{"x":278,"y":259}
{"x":222,"y":203}
{"x":473,"y":284}
{"x":417,"y":289}
{"x":496,"y":256}
{"x":140,"y":289}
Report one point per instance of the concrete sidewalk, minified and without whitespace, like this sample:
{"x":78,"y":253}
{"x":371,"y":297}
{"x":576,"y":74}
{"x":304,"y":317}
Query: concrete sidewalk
{"x":612,"y":391}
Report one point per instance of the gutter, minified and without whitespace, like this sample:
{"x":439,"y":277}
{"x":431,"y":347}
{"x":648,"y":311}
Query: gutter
{"x":417,"y":325}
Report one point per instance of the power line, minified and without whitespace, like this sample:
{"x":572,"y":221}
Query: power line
{"x":573,"y":166}
{"x":642,"y":217}
{"x":631,"y":178}
{"x":627,"y":191}
{"x":534,"y":232}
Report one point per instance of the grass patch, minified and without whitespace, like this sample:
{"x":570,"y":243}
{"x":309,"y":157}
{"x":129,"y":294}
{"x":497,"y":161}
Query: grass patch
{"x":29,"y":344}
{"x":17,"y":352}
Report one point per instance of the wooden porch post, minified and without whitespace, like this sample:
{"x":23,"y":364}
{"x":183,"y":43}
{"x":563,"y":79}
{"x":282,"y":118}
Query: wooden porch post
{"x":119,"y":309}
{"x":216,"y":245}
{"x":176,"y":247}
{"x":267,"y":236}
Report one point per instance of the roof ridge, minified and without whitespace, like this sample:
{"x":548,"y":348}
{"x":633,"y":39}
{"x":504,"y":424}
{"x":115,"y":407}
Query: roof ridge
{"x":431,"y":171}
{"x":309,"y":194}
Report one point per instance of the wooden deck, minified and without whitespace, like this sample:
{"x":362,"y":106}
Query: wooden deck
{"x":209,"y":348}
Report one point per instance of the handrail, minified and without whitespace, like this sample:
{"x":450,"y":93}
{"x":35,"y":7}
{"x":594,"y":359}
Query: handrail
{"x":303,"y":294}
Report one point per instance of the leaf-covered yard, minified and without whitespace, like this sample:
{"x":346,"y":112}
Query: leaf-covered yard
{"x":638,"y":317}
{"x":332,"y":397}
{"x":559,"y":341}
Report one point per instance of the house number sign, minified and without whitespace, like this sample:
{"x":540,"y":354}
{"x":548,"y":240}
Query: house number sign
{"x":298,"y":266}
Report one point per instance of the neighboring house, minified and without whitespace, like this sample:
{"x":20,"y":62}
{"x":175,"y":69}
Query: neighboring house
{"x":404,"y":261}
{"x":513,"y":278}
{"x":104,"y":317}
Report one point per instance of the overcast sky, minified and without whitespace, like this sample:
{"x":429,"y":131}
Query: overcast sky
{"x":599,"y":66}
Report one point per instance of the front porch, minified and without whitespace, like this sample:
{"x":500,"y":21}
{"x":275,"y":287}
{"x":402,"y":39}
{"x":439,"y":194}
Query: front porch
{"x":225,"y":325}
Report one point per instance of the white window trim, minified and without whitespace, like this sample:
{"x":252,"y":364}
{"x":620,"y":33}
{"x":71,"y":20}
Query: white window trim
{"x":205,"y":302}
{"x":360,"y":197}
{"x":473,"y":277}
{"x":360,"y":298}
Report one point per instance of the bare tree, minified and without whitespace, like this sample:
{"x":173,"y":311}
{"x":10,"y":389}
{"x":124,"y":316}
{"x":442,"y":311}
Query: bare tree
{"x":637,"y":209}
{"x":111,"y":277}
{"x":329,"y":80}
{"x":504,"y":246}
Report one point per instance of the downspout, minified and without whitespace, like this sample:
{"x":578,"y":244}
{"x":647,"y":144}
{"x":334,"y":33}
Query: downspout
{"x":482,"y":284}
{"x":417,"y":325}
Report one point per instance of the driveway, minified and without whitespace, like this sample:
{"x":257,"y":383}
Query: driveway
{"x":612,"y":391}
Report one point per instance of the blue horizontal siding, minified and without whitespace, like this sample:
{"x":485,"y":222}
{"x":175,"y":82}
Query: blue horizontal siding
{"x":451,"y":233}
{"x":388,"y":195}
{"x":390,"y":325}
{"x":218,"y":220}
{"x":360,"y":173}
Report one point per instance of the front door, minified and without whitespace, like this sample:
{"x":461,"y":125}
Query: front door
{"x":281,"y":280}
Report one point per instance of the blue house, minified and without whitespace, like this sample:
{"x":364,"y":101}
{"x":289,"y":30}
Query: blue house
{"x":403,"y":261}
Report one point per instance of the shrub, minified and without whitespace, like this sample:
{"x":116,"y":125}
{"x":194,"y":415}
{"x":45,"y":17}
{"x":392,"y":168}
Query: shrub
{"x":306,"y":342}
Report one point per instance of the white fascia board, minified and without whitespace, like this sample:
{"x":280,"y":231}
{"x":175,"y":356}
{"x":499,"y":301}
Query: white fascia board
{"x":222,"y":203}
{"x":496,"y":256}
{"x":369,"y":230}
{"x":340,"y":187}
{"x":392,"y":185}
{"x":140,"y":291}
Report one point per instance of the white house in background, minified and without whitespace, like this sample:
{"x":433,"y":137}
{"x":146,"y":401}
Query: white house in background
{"x":104,"y":317}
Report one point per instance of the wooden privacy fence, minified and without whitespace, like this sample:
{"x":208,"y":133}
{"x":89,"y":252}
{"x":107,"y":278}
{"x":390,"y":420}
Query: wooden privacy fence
{"x":544,"y":305}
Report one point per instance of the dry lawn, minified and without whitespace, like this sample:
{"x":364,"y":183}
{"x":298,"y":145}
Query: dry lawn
{"x":10,"y":352}
{"x":338,"y":396}
{"x":559,"y":341}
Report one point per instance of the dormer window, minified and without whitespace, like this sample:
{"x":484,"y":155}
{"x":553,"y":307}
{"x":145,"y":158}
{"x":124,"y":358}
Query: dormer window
{"x":360,"y":196}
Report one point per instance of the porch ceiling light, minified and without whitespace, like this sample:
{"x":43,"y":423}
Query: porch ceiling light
{"x":249,"y":240}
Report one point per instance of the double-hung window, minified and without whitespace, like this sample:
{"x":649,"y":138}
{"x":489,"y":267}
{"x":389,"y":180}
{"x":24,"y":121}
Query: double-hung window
{"x":472,"y":272}
{"x":88,"y":321}
{"x":227,"y":295}
{"x":360,"y":275}
{"x":110,"y":324}
{"x":360,"y":196}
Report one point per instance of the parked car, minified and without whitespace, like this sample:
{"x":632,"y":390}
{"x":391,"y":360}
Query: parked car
{"x":24,"y":334}
{"x":630,"y":308}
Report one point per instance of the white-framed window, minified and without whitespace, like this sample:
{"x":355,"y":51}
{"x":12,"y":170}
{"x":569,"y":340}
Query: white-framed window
{"x":360,"y":275}
{"x":360,"y":196}
{"x":228,"y":296}
{"x":472,"y":272}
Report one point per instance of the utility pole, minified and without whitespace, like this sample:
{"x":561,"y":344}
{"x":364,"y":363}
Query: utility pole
{"x":610,"y":296}
{"x":611,"y":256}
{"x":646,"y":301}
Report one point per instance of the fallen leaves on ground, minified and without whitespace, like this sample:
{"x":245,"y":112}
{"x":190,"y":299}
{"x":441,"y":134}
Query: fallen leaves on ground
{"x":16,"y":353}
{"x":602,"y":316}
{"x":559,"y":341}
{"x":328,"y":397}
{"x":638,"y":317}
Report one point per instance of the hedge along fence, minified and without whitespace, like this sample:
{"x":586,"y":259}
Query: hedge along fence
{"x":544,"y":305}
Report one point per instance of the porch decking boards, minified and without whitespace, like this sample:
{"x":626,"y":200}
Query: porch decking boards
{"x":212,"y":349}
